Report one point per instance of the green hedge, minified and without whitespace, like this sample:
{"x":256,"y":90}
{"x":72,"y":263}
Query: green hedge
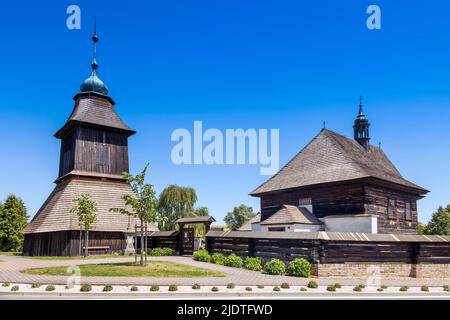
{"x":299,"y":268}
{"x":202,"y":255}
{"x":234,"y":261}
{"x":275,"y":267}
{"x":254,"y":264}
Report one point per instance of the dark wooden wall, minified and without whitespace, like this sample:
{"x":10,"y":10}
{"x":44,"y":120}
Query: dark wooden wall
{"x":102,"y":151}
{"x":351,"y":198}
{"x":377,"y":200}
{"x":326,"y":200}
{"x":323,"y":251}
{"x":172,"y":242}
{"x":66,"y":243}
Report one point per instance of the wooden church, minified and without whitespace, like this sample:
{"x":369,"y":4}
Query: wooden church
{"x":339,"y":184}
{"x":94,"y":154}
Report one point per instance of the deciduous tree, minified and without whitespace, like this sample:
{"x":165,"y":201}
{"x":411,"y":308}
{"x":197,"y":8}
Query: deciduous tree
{"x":13,"y":220}
{"x":239,"y":216}
{"x":86,"y":210}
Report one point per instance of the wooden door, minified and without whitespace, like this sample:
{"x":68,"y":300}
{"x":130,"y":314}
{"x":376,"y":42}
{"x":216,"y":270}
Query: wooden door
{"x":187,"y":241}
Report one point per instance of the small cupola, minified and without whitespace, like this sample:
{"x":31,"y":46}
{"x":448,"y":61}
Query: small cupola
{"x":361,"y":128}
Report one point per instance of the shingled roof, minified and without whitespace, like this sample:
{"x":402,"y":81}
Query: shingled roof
{"x":95,"y":109}
{"x":291,"y":214}
{"x":248,"y":225}
{"x":331,"y":157}
{"x":54,"y":214}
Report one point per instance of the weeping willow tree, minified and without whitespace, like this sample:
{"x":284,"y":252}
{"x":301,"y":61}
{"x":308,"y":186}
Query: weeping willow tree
{"x":176,"y":202}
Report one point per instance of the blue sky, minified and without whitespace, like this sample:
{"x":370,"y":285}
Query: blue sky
{"x":232,"y":64}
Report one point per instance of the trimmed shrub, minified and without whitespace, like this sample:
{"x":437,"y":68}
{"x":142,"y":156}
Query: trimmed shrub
{"x":154,"y":288}
{"x":157,"y":252}
{"x":331,"y":288}
{"x":337,"y":285}
{"x":134,"y":289}
{"x":107,"y":288}
{"x":173,"y":287}
{"x":202,"y":255}
{"x":5,"y":284}
{"x":299,"y":268}
{"x":248,"y":289}
{"x":312,"y":285}
{"x":231,"y":286}
{"x":167,"y":251}
{"x":35,"y":285}
{"x":362,"y":286}
{"x":234,"y":261}
{"x":15,"y":288}
{"x":424,"y":288}
{"x":196,"y":286}
{"x":214,"y":289}
{"x":384,"y":287}
{"x":446,"y":288}
{"x":218,"y":258}
{"x":380,"y":289}
{"x":303,"y":289}
{"x":357,"y":288}
{"x":85,"y":288}
{"x":276,"y":289}
{"x":50,"y":287}
{"x":285,"y":285}
{"x":404,"y":289}
{"x":260,"y":286}
{"x":275,"y":267}
{"x":254,"y":264}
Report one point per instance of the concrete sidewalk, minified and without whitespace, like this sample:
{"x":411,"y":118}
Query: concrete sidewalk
{"x":10,"y":267}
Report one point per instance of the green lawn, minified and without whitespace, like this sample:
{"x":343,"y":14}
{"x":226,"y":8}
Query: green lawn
{"x":153,"y":269}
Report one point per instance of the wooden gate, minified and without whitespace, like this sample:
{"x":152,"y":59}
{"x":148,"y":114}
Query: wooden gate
{"x":187,"y":241}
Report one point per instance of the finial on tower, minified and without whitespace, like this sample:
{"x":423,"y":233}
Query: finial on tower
{"x":361,"y":128}
{"x":93,"y":83}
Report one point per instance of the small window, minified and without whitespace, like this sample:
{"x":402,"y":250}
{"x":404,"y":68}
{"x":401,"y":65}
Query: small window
{"x":391,"y":209}
{"x":408,"y":213}
{"x":304,"y":201}
{"x":277,"y":229}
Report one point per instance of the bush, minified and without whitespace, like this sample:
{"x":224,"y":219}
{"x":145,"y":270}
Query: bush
{"x":276,"y":289}
{"x":303,"y":289}
{"x":107,"y":288}
{"x":299,"y":268}
{"x":312,"y":285}
{"x":404,"y":289}
{"x":337,"y":285}
{"x":260,"y":286}
{"x":357,"y":288}
{"x":231,"y":286}
{"x":362,"y":286}
{"x":134,"y":289}
{"x":424,"y":288}
{"x":173,"y":287}
{"x":285,"y":285}
{"x":202,"y":255}
{"x":218,"y":258}
{"x":5,"y":284}
{"x":15,"y":288}
{"x":154,"y":288}
{"x":446,"y":288}
{"x":86,"y":288}
{"x":380,"y":289}
{"x":248,"y":289}
{"x":254,"y":264}
{"x":331,"y":288}
{"x":167,"y":251}
{"x":157,"y":252}
{"x":35,"y":285}
{"x":196,"y":286}
{"x":275,"y":267}
{"x":214,"y":289}
{"x":234,"y":261}
{"x":384,"y":287}
{"x":50,"y":287}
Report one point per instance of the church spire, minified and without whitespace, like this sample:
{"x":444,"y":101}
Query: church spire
{"x":361,"y":127}
{"x":93,"y":83}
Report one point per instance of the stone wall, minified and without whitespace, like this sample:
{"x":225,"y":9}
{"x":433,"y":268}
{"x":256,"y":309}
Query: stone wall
{"x":383,"y":270}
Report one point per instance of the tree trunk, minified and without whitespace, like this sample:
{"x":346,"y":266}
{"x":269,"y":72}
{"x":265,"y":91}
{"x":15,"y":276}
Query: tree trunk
{"x":86,"y":242}
{"x":142,"y":242}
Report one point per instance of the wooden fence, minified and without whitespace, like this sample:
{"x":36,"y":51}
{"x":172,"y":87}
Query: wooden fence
{"x":321,"y":247}
{"x":164,"y":239}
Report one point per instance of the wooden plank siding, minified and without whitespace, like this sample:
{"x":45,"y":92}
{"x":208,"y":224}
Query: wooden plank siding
{"x":323,"y":251}
{"x":66,"y":243}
